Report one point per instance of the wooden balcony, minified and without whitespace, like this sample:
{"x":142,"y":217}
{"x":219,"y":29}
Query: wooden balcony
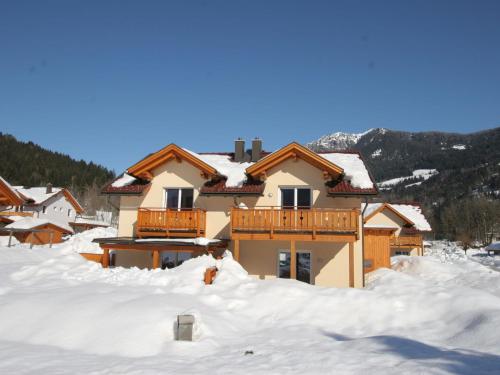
{"x":16,"y":213}
{"x":327,"y":224}
{"x":163,"y":222}
{"x":409,"y":241}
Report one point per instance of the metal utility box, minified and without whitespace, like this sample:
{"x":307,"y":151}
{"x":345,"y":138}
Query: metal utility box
{"x":184,"y":328}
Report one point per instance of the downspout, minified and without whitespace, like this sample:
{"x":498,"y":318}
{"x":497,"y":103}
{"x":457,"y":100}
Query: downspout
{"x":363,"y":240}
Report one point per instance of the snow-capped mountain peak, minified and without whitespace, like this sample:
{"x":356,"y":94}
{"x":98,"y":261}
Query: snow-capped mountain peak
{"x":338,"y":140}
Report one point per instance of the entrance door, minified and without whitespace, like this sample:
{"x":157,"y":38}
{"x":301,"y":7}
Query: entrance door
{"x":377,"y":249}
{"x":303,"y":266}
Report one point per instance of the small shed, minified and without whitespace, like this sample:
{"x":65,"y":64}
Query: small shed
{"x":38,"y":231}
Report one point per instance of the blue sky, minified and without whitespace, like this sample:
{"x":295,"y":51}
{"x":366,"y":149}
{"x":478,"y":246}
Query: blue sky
{"x":111,"y":81}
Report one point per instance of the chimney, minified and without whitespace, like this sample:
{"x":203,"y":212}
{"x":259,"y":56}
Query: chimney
{"x":256,"y":149}
{"x":239,"y":150}
{"x":48,"y":190}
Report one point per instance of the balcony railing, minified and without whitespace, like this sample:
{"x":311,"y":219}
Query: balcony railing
{"x":163,"y":222}
{"x":280,"y":222}
{"x":407,"y":241}
{"x":16,"y":213}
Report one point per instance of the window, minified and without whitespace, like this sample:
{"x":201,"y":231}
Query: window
{"x":69,"y":211}
{"x":44,"y":209}
{"x":180,"y":199}
{"x":293,"y":198}
{"x":402,"y":252}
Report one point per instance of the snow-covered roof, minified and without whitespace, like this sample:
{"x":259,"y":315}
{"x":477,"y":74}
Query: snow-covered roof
{"x":371,"y":208}
{"x":37,"y":194}
{"x":84,"y":220}
{"x":32,"y":222}
{"x":414,"y":213}
{"x":354,"y":168}
{"x":409,"y":211}
{"x":200,"y":241}
{"x":233,"y":171}
{"x":124,"y":180}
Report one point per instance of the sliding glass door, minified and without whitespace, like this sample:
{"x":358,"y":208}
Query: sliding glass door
{"x":303,"y":269}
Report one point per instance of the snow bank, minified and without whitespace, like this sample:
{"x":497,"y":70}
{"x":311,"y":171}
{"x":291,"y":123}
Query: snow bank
{"x":437,"y":314}
{"x":4,"y":241}
{"x":82,"y":242}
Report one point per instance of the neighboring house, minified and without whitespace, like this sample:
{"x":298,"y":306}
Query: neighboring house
{"x":20,"y":211}
{"x":392,"y":229}
{"x":52,"y":203}
{"x":292,"y":213}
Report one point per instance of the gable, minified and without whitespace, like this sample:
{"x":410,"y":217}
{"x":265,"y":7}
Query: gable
{"x":144,"y":168}
{"x":8,"y":196}
{"x":376,"y":210}
{"x":295,"y":151}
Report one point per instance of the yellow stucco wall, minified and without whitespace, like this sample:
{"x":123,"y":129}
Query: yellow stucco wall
{"x":387,"y":218}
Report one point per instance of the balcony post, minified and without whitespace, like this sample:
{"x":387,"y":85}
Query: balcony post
{"x":197,"y":216}
{"x":105,"y":258}
{"x":351,"y":264}
{"x":156,"y":259}
{"x":237,"y":250}
{"x":313,"y":223}
{"x":293,"y":260}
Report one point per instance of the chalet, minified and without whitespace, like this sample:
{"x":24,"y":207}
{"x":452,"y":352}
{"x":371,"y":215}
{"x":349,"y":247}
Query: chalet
{"x":52,"y":203}
{"x":292,"y":213}
{"x":392,"y":229}
{"x":37,"y":215}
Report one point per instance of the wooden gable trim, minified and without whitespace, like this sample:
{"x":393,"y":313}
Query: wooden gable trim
{"x":390,"y":208}
{"x":144,"y":168}
{"x":294,"y":151}
{"x":8,"y":197}
{"x":71,"y":199}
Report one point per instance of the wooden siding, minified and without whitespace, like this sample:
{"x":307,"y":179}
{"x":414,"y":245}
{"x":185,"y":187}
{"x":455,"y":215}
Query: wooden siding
{"x":407,"y":241}
{"x":162,"y":222}
{"x":377,"y":249}
{"x":279,"y":223}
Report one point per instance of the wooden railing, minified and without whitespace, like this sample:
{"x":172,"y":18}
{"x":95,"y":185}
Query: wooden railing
{"x":314,"y":221}
{"x":162,"y":222}
{"x":407,"y":241}
{"x":16,"y":213}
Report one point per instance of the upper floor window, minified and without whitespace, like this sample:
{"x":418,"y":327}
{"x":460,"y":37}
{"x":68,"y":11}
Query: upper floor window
{"x":69,"y":211}
{"x":180,"y":199}
{"x":295,"y":197}
{"x":44,"y":209}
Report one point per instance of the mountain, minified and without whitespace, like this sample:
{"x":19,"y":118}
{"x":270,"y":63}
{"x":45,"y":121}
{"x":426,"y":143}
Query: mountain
{"x":434,"y":168}
{"x":28,"y":164}
{"x":337,"y":141}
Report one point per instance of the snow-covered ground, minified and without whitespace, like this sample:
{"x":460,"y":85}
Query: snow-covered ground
{"x":59,"y":314}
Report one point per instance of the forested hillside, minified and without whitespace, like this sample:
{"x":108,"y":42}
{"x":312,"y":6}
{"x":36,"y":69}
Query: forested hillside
{"x":28,"y":164}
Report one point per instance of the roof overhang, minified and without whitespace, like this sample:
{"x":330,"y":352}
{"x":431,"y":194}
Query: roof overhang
{"x":8,"y":197}
{"x":390,"y":208}
{"x":294,"y":151}
{"x":143,"y":169}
